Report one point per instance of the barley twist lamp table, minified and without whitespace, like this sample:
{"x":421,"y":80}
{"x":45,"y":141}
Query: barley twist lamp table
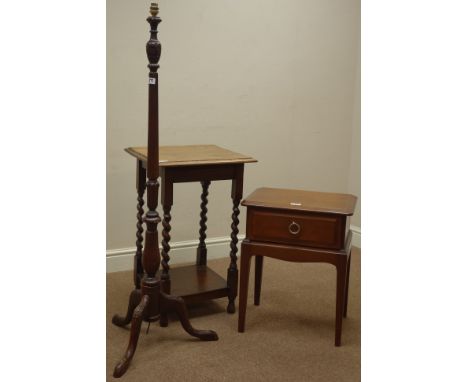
{"x":299,"y":226}
{"x":193,"y":163}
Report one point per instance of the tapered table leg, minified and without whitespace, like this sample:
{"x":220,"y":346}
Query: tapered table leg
{"x":244,"y":287}
{"x":340,"y":296}
{"x":258,"y":278}
{"x":348,"y":269}
{"x":201,"y":250}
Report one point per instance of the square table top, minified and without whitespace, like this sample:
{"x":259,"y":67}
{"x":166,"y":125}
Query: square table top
{"x":310,"y":201}
{"x":191,"y":155}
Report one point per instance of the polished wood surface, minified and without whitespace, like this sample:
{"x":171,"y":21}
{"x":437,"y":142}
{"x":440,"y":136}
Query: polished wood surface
{"x":191,"y":155}
{"x":297,"y":226}
{"x":309,"y":201}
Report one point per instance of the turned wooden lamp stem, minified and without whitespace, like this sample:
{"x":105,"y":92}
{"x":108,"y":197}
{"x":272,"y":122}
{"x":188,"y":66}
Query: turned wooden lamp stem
{"x":151,"y":256}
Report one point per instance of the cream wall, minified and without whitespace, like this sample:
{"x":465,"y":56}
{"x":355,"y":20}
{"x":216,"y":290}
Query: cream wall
{"x":354,"y":181}
{"x":278,"y":80}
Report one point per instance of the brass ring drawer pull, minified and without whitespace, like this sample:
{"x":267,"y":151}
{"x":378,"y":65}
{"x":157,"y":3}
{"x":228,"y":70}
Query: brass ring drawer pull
{"x":294,"y":228}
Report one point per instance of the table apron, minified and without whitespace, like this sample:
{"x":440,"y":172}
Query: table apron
{"x":199,"y":173}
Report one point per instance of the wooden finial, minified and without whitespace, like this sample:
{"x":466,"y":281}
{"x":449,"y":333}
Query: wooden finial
{"x":154,"y":9}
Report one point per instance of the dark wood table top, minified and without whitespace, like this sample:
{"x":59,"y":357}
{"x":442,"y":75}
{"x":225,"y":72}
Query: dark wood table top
{"x":191,"y":155}
{"x":310,"y":201}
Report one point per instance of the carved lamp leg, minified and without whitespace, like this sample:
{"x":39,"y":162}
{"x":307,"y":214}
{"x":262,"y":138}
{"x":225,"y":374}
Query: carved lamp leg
{"x":201,"y":250}
{"x":137,"y":319}
{"x":340,"y":296}
{"x":258,"y":279}
{"x":133,"y":301}
{"x":177,"y":304}
{"x":348,"y":269}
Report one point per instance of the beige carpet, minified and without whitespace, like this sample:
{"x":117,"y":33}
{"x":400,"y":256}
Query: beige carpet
{"x":289,"y":337}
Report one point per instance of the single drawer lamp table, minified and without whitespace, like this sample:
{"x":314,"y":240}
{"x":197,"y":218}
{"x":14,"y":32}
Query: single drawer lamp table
{"x":193,"y":163}
{"x":299,"y":226}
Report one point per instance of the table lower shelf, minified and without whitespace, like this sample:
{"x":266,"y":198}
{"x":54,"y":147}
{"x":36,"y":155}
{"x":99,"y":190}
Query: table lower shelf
{"x":197,"y":283}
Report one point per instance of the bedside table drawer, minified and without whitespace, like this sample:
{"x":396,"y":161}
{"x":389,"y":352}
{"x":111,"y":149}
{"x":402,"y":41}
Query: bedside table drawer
{"x":307,"y":229}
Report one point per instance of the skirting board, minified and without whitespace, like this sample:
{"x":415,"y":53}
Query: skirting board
{"x":181,"y":252}
{"x":356,"y":236}
{"x":118,"y":260}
